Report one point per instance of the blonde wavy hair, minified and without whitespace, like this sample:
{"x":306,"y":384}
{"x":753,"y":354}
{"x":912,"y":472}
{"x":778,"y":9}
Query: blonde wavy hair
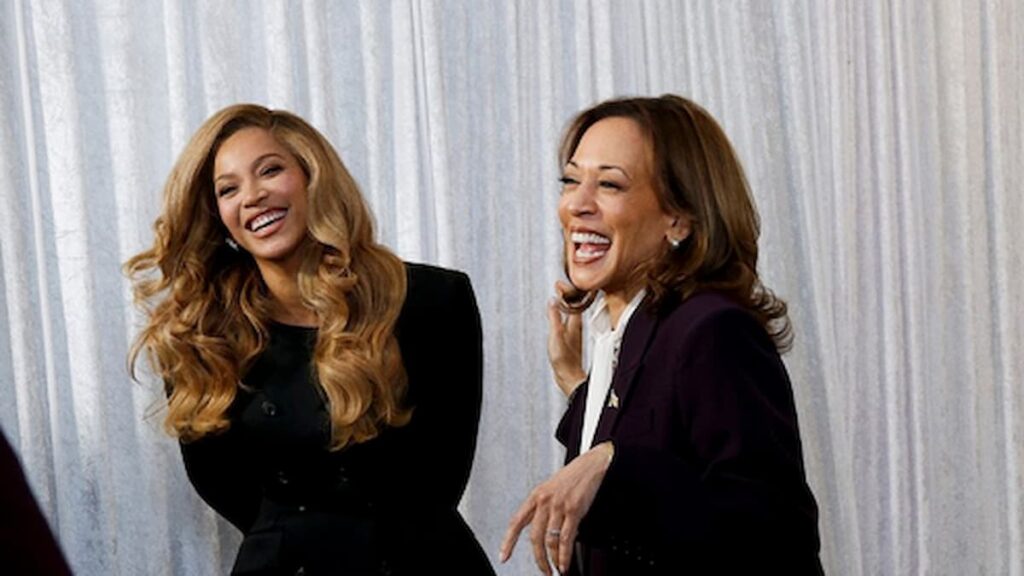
{"x":207,"y":305}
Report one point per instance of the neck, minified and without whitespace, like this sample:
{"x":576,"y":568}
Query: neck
{"x":283,"y":284}
{"x":617,"y":302}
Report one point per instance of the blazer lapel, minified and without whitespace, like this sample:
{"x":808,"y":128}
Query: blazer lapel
{"x":635,"y":342}
{"x":571,"y":426}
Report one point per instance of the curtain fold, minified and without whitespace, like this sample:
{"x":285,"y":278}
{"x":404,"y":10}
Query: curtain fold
{"x":883,"y":142}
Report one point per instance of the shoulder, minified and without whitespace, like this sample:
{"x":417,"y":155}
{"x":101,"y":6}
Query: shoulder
{"x":701,"y":308}
{"x":434,"y":293}
{"x":426,"y":280}
{"x":708,"y":314}
{"x":440,"y":334}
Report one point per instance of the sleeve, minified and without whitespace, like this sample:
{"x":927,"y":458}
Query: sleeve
{"x":572,"y":415}
{"x":446,"y":362}
{"x":221,"y":475}
{"x":458,"y":401}
{"x":733,"y":475}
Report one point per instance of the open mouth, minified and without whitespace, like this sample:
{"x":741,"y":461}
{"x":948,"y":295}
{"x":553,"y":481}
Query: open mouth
{"x":265,"y":219}
{"x":589,"y":246}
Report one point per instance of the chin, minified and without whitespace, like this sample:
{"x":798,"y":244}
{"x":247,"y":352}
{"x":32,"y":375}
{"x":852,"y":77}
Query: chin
{"x":594,"y":275}
{"x":278,"y":255}
{"x":585,"y":282}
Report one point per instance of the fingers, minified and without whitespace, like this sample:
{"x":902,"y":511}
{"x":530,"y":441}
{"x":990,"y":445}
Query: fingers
{"x":555,"y":325}
{"x":553,"y":537}
{"x":519,"y":521}
{"x":570,"y":324}
{"x":538,"y":535}
{"x":574,"y":332}
{"x":555,"y":508}
{"x":568,"y":535}
{"x":565,"y":348}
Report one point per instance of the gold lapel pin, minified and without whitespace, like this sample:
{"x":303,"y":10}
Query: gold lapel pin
{"x":613,"y":399}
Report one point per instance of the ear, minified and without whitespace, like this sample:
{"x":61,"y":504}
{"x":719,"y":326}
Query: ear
{"x":679,"y":228}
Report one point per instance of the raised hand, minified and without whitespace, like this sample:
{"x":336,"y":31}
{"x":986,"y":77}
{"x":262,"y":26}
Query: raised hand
{"x":565,"y":344}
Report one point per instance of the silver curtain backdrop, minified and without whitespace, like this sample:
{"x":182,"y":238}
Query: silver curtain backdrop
{"x":882,"y":140}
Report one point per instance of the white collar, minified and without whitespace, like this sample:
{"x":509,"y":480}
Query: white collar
{"x":599,"y":318}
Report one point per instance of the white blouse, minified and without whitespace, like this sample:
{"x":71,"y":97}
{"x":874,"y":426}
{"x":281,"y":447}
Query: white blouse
{"x":605,"y":341}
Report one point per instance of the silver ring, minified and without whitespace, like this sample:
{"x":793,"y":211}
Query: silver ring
{"x":554,"y":533}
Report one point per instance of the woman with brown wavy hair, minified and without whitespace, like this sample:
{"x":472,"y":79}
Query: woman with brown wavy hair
{"x":683,"y":451}
{"x":317,"y":409}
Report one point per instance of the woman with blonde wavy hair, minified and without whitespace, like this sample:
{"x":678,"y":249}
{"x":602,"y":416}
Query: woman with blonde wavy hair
{"x":683,"y":452}
{"x":317,"y":408}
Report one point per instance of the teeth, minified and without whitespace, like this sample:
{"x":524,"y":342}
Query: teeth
{"x":582,"y":252}
{"x":589,"y":238}
{"x":265,"y":219}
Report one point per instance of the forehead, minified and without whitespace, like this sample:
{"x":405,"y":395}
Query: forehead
{"x":616,"y":141}
{"x":245,"y":146}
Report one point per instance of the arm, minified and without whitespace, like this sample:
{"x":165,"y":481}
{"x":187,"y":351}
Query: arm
{"x":442,"y":347}
{"x":463,"y":394}
{"x":734,"y":472}
{"x":219,"y":471}
{"x":729,"y":473}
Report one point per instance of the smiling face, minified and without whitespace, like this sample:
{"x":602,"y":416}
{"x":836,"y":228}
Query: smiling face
{"x":611,"y":219}
{"x":261,"y":196}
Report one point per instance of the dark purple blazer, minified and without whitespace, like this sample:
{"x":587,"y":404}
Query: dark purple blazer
{"x":708,"y":473}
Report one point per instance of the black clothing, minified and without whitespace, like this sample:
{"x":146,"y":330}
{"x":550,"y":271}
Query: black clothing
{"x":26,"y":543}
{"x":385,"y":506}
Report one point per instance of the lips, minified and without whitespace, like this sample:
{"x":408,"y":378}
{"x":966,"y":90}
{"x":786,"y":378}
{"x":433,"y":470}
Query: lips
{"x":589,"y":246}
{"x":265,"y":219}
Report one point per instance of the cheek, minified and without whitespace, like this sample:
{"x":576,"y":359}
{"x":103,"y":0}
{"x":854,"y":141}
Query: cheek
{"x":296,"y":184}
{"x":225,"y":212}
{"x":645,"y":244}
{"x":563,"y":212}
{"x":633,"y":238}
{"x":298,"y":188}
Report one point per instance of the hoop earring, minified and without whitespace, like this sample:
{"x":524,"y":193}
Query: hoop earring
{"x":232,"y":244}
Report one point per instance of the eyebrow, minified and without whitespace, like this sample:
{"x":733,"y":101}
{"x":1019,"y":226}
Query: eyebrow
{"x":603,"y":167}
{"x":255,"y":163}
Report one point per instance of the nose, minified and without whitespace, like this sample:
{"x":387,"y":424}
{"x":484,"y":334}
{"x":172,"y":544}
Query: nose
{"x":253,"y":194}
{"x":580,"y":200}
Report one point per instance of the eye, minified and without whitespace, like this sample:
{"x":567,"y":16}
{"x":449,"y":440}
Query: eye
{"x":226,"y":190}
{"x":568,"y":181}
{"x":270,"y":170}
{"x":610,"y":185}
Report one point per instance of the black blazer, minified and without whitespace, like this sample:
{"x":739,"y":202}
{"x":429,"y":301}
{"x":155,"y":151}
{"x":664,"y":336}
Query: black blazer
{"x":708,"y":474}
{"x":386,"y":506}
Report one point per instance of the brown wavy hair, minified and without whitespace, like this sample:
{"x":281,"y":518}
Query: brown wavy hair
{"x":696,"y":173}
{"x":207,"y":306}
